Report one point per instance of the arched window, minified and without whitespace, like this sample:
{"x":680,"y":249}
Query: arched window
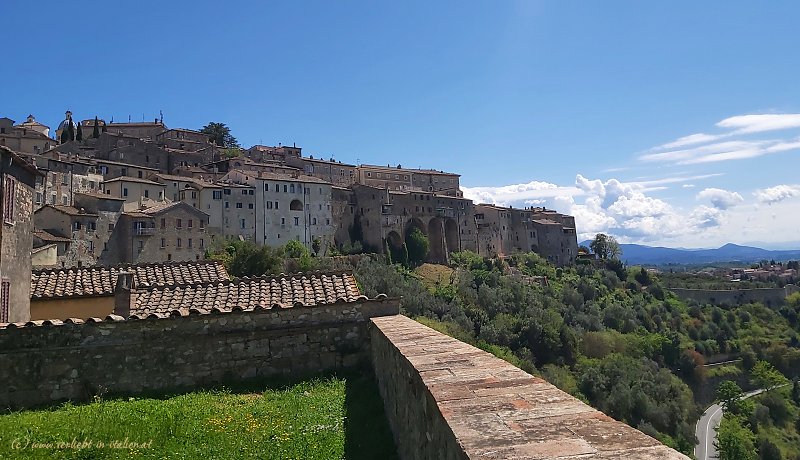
{"x":296,"y":205}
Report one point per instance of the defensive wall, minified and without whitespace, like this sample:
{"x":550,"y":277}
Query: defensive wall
{"x":443,"y":399}
{"x":767,"y":296}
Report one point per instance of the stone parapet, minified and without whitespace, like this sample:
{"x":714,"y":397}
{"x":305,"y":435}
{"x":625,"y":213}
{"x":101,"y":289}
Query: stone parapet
{"x":445,"y":399}
{"x":47,"y":361}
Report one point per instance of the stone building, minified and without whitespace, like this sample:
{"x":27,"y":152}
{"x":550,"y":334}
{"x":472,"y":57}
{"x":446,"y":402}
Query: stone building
{"x":143,"y":130}
{"x":405,"y":179}
{"x":388,"y":215}
{"x":28,"y":137}
{"x":81,"y":233}
{"x":16,"y":206}
{"x":133,"y":189}
{"x":183,"y":139}
{"x":161,"y":232}
{"x":264,"y":153}
{"x":503,"y":231}
{"x":64,"y":177}
{"x":335,"y":172}
{"x":289,"y":207}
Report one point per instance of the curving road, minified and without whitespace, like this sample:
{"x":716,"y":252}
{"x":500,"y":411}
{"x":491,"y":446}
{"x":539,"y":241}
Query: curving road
{"x":706,"y":429}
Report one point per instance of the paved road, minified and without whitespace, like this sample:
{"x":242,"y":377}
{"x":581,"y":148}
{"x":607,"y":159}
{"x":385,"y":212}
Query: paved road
{"x":706,"y":429}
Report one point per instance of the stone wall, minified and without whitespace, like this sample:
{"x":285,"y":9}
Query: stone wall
{"x":44,"y":363}
{"x":768,"y":296}
{"x":445,"y":399}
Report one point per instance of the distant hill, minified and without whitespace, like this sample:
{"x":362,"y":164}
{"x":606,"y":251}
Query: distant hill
{"x":655,"y":255}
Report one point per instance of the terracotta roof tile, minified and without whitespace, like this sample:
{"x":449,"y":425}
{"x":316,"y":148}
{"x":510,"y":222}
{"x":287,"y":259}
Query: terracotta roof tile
{"x":281,"y":291}
{"x":101,"y":280}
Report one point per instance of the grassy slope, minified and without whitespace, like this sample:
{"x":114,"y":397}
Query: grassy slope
{"x":318,"y":419}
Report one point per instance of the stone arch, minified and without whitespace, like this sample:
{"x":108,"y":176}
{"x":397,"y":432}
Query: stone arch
{"x":438,"y":248}
{"x":416,"y":222}
{"x":394,"y":240}
{"x":451,"y":237}
{"x":296,"y":205}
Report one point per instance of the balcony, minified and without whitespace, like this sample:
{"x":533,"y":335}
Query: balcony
{"x":144,"y":231}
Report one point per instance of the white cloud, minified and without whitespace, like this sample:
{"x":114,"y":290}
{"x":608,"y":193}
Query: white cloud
{"x":691,"y":139}
{"x":510,"y":194}
{"x":735,"y":143}
{"x":687,"y":186}
{"x":777,"y":193}
{"x":719,"y":198}
{"x":704,"y":217}
{"x":757,"y":123}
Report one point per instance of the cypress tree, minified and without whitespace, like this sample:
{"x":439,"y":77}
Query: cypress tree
{"x":79,"y":134}
{"x":64,"y":135}
{"x":70,"y":130}
{"x":96,"y":129}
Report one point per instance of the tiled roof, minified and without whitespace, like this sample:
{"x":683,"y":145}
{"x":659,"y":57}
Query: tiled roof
{"x":281,"y":291}
{"x":101,"y":280}
{"x":44,"y":235}
{"x":132,"y":179}
{"x":70,"y":210}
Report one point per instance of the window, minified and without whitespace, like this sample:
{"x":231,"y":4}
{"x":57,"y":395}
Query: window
{"x":283,"y":221}
{"x":38,"y":197}
{"x":277,"y":187}
{"x":163,"y":223}
{"x":276,"y":205}
{"x":190,"y":223}
{"x":227,"y":204}
{"x":5,"y":301}
{"x":141,"y":244}
{"x":296,"y":221}
{"x":216,"y":194}
{"x":244,"y":192}
{"x":169,"y":256}
{"x":202,"y":224}
{"x":194,"y":194}
{"x":64,"y":179}
{"x":251,"y":192}
{"x":163,"y":243}
{"x":239,"y":205}
{"x":91,"y":246}
{"x":125,"y":191}
{"x":250,"y":206}
{"x":314,"y":221}
{"x":180,"y":243}
{"x":140,"y":174}
{"x":227,"y":191}
{"x":147,"y":193}
{"x":189,"y":242}
{"x":91,"y":226}
{"x":9,"y":195}
{"x":285,"y":187}
{"x":291,"y":188}
{"x":76,"y":226}
{"x":268,"y":205}
{"x":178,"y":224}
{"x":327,"y":221}
{"x":124,"y":171}
{"x":242,"y":223}
{"x":64,"y":200}
{"x":202,"y":243}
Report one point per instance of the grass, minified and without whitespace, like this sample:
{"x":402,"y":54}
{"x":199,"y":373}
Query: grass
{"x":433,"y":274}
{"x":324,"y":418}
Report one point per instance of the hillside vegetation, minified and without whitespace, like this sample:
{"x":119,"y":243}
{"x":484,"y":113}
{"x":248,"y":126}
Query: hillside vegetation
{"x":610,"y":335}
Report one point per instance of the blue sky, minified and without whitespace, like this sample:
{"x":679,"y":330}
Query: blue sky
{"x":575,"y":105}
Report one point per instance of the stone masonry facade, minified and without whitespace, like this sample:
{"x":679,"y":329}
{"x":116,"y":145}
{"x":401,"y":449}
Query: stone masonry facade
{"x":50,"y":361}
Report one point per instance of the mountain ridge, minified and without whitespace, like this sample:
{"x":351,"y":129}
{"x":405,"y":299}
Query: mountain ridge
{"x":729,"y":252}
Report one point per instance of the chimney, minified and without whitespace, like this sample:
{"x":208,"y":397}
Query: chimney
{"x":124,"y":296}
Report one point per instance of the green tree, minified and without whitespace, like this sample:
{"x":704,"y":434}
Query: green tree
{"x":79,"y":133}
{"x":768,"y":450}
{"x":96,"y":129}
{"x":295,"y":249}
{"x":729,"y":393}
{"x":220,"y":134}
{"x":316,"y":245}
{"x":417,"y":244}
{"x":766,"y":376}
{"x":734,"y":440}
{"x":605,"y":246}
{"x":796,"y":393}
{"x":243,"y":258}
{"x":232,"y":152}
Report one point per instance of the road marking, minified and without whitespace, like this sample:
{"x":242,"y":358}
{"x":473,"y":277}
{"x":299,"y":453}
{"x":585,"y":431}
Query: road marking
{"x":708,"y":426}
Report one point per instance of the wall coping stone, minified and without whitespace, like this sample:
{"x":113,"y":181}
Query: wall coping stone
{"x":497,"y":411}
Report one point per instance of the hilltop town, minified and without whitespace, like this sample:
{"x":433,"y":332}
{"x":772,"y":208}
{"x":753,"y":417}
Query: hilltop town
{"x":106,"y":193}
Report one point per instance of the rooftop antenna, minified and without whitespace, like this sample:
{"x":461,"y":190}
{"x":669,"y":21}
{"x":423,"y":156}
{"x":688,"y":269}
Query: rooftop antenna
{"x":161,"y":115}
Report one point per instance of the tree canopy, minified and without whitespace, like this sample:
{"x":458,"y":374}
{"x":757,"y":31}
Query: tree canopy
{"x":220,"y":134}
{"x":605,"y":246}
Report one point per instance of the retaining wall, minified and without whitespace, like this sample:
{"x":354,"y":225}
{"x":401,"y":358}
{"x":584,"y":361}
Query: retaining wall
{"x":44,"y":363}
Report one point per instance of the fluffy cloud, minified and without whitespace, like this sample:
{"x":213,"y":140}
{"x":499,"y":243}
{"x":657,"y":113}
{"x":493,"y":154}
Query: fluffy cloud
{"x":777,"y":193}
{"x":534,"y":191}
{"x":719,"y":198}
{"x":709,"y":148}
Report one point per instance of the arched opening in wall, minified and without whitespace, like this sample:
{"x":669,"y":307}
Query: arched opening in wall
{"x":451,"y":235}
{"x":415,"y":222}
{"x":394,"y":243}
{"x":296,"y":205}
{"x":438,"y":251}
